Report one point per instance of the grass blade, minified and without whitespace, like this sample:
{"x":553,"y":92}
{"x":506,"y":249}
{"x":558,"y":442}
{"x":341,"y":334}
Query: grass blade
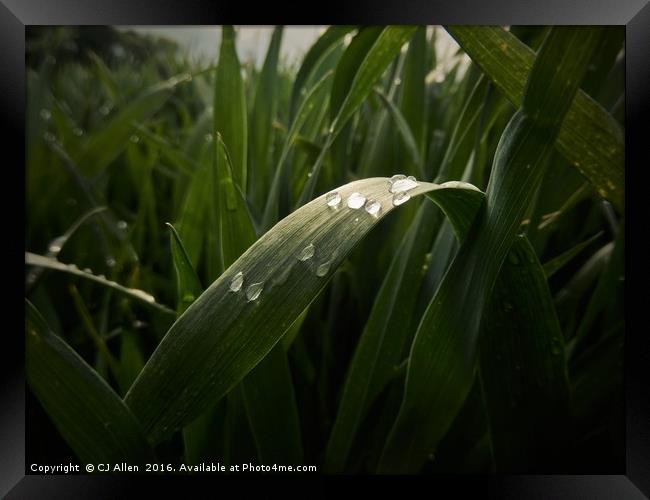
{"x":32,"y":259}
{"x":557,"y":263}
{"x":188,"y":286}
{"x":523,"y":369}
{"x":590,"y":139}
{"x":230,"y":106}
{"x":90,"y":416}
{"x":443,"y":354}
{"x":227,"y":333}
{"x":262,"y":116}
{"x":313,"y":57}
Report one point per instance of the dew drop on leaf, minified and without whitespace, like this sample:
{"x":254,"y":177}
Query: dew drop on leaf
{"x":253,"y":291}
{"x":373,"y":207}
{"x":403,"y":185}
{"x":356,"y":200}
{"x":333,"y":199}
{"x":400,"y":198}
{"x":236,"y":282}
{"x":307,"y":252}
{"x":323,"y":269}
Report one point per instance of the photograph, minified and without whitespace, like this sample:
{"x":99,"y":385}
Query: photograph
{"x":308,"y":250}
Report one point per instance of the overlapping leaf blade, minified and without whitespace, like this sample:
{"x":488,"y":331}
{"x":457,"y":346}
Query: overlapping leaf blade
{"x":443,"y":355}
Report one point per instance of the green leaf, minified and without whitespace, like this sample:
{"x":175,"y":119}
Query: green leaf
{"x":32,"y":259}
{"x":230,"y":106}
{"x":227,"y":333}
{"x":523,"y":369}
{"x":188,"y":286}
{"x":316,"y":53}
{"x":590,"y":139}
{"x":443,"y":354}
{"x":405,"y":132}
{"x":413,"y":103}
{"x":106,"y":144}
{"x":90,"y":416}
{"x":262,"y":116}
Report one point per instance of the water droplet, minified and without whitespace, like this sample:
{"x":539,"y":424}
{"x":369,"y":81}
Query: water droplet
{"x":102,"y":276}
{"x":395,"y":178}
{"x":309,"y":174}
{"x":323,"y":269}
{"x":402,"y":185}
{"x":398,"y":81}
{"x":110,"y":262}
{"x":208,"y":137}
{"x":78,"y":132}
{"x":122,"y":225}
{"x":236,"y":282}
{"x":333,"y":199}
{"x":373,"y":207}
{"x":49,"y":137}
{"x":401,"y":198}
{"x":105,"y":109}
{"x":306,"y":253}
{"x":512,"y":258}
{"x":356,"y":219}
{"x":45,"y":114}
{"x":54,"y":248}
{"x":134,"y":139}
{"x":356,"y":200}
{"x":254,"y":291}
{"x":87,"y":270}
{"x":143,"y":295}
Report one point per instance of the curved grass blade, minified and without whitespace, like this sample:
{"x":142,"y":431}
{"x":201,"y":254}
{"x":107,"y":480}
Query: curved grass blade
{"x":32,"y":259}
{"x":230,"y":106}
{"x":230,"y":328}
{"x":316,"y":53}
{"x":90,"y":416}
{"x":590,"y":138}
{"x":443,"y":354}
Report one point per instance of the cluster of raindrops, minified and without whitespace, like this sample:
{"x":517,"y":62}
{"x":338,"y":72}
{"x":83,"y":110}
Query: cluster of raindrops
{"x":399,"y":185}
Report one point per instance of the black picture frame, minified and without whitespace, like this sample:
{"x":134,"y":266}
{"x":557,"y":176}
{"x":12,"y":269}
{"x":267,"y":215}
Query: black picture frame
{"x":15,"y":15}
